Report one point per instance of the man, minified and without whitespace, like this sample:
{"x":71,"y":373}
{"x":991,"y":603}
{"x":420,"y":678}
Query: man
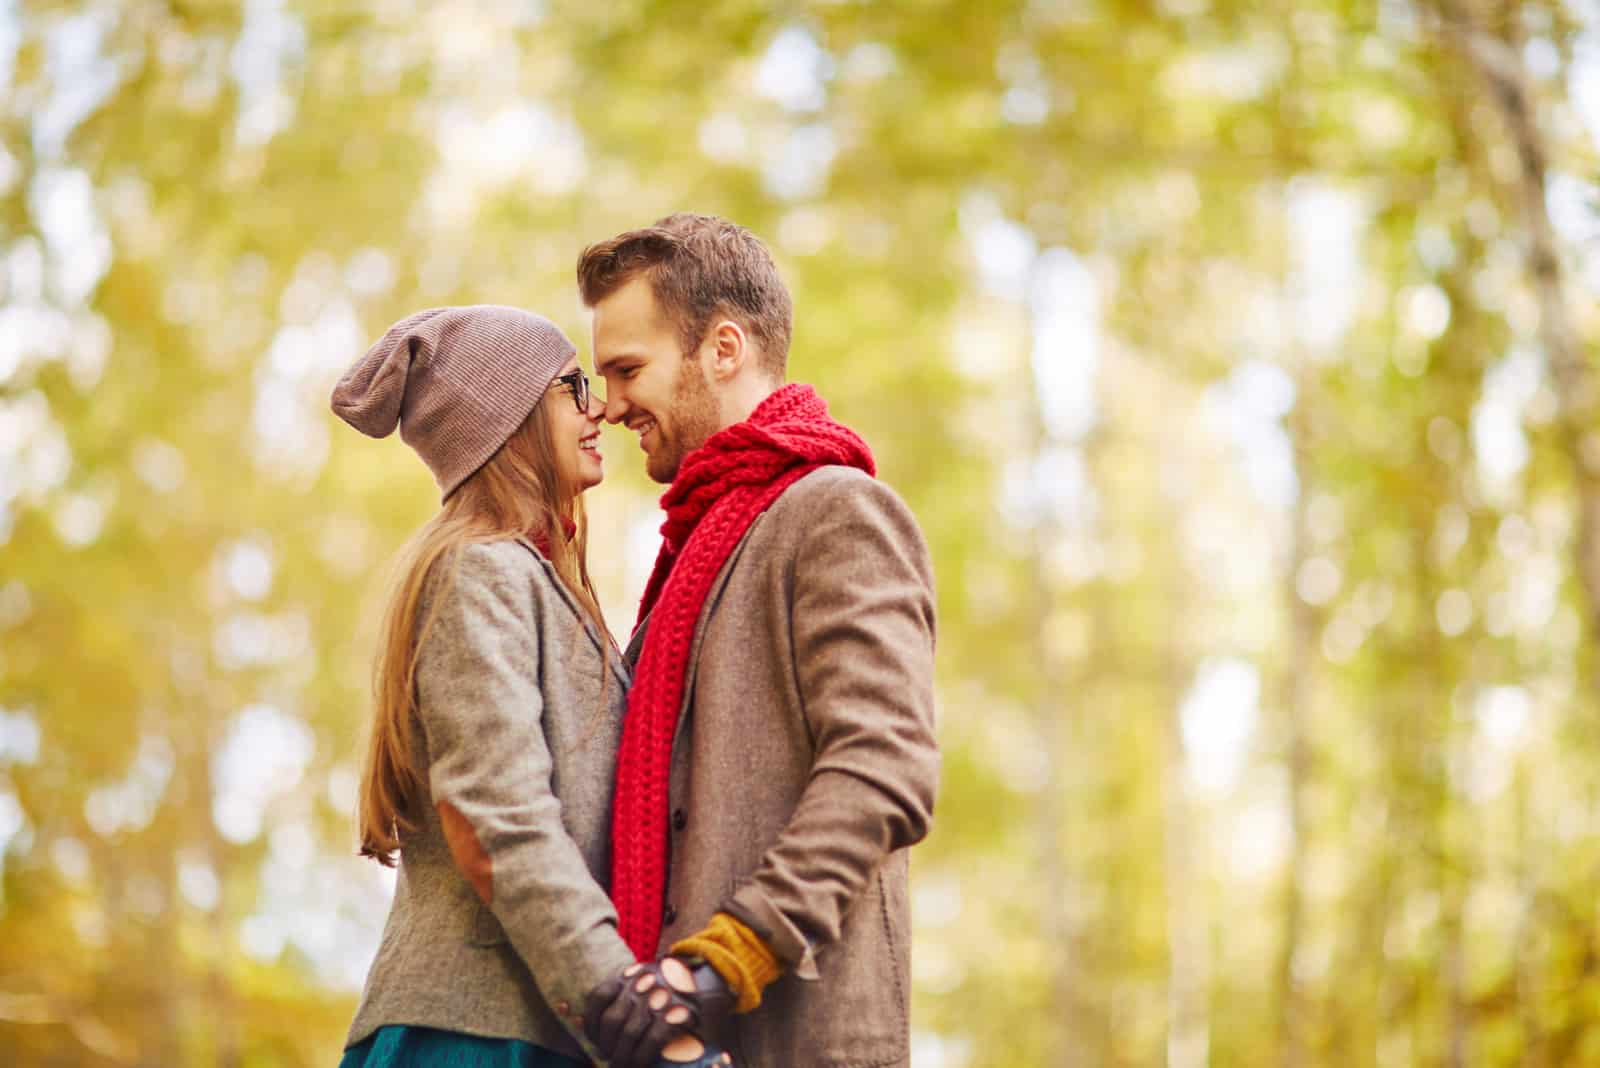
{"x":778,"y":755}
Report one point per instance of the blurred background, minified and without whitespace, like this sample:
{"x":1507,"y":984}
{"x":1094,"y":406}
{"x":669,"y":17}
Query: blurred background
{"x":1238,"y":358}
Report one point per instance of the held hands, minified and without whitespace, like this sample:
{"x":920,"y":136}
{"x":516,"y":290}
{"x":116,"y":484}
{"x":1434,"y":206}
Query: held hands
{"x":633,"y":1017}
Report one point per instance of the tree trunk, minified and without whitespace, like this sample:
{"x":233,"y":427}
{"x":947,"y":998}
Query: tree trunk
{"x":1293,"y":693}
{"x":1059,"y":881}
{"x":1188,"y":914}
{"x":1497,"y":61}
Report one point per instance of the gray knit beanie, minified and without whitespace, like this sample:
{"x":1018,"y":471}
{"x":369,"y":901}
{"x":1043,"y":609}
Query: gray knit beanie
{"x":457,"y":381}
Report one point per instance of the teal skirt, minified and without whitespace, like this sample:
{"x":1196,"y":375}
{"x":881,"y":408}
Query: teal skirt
{"x":424,"y":1047}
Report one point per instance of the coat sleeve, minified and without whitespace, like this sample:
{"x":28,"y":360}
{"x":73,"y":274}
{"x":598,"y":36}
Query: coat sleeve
{"x":489,"y":772}
{"x":862,"y":620}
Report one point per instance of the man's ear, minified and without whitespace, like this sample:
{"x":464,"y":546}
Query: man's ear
{"x":730,"y":349}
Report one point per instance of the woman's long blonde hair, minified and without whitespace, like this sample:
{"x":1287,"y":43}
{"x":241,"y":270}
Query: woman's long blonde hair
{"x":517,"y":493}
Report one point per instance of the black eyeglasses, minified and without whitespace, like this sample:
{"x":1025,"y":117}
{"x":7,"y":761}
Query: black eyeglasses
{"x":577,"y":384}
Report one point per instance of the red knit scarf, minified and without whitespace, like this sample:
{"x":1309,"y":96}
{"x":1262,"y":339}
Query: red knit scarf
{"x":720,"y":490}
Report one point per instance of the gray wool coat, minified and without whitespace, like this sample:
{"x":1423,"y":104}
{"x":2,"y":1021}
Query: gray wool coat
{"x":805,"y":764}
{"x":500,"y":910}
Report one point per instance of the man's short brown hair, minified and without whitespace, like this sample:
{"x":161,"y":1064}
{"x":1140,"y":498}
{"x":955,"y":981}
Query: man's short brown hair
{"x":699,"y":266}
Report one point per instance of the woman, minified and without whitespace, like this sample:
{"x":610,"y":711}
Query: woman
{"x":496,"y":686}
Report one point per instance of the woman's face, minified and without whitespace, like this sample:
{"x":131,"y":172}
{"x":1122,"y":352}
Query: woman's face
{"x":576,"y":433}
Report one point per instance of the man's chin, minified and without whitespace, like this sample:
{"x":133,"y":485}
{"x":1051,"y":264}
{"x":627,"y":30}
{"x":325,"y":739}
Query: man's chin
{"x":661,"y":466}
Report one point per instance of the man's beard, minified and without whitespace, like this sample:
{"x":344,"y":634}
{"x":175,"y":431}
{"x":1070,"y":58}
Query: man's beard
{"x":694,"y":419}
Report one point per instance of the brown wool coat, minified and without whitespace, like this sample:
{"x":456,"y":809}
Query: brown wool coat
{"x":805,"y":764}
{"x":520,"y":751}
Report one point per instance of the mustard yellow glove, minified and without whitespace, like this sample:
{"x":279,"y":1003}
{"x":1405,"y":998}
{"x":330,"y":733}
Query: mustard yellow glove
{"x":737,"y":953}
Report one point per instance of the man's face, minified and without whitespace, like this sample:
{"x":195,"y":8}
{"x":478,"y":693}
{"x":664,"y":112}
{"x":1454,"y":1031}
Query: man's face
{"x":651,"y":386}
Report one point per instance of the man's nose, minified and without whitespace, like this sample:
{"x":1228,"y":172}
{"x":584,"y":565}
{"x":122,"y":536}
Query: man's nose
{"x":615,"y":407}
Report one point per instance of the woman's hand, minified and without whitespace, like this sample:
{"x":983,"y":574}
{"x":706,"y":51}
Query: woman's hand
{"x":633,"y":1017}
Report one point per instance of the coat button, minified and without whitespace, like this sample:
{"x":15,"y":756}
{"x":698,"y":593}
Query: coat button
{"x":680,"y":819}
{"x":670,"y":916}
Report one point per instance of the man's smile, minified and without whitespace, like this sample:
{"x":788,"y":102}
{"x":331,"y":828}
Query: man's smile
{"x":642,"y":427}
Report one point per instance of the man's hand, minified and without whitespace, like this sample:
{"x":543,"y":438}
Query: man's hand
{"x":630,"y":1018}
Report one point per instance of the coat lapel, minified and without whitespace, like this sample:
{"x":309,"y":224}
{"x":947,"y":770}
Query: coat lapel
{"x":701,"y":624}
{"x":621,"y":670}
{"x":636,"y":643}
